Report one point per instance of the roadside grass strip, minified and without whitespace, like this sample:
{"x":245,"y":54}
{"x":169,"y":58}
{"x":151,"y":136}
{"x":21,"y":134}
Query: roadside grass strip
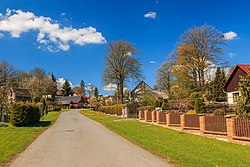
{"x":13,"y":140}
{"x":180,"y":148}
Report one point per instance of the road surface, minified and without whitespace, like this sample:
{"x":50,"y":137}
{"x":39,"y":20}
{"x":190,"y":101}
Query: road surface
{"x":77,"y":141}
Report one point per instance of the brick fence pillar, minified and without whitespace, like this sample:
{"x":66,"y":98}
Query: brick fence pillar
{"x":202,"y":123}
{"x":157,"y":117}
{"x":230,"y":127}
{"x":140,"y":115}
{"x":182,"y":121}
{"x":167,"y":119}
{"x":153,"y":116}
{"x":145,"y":115}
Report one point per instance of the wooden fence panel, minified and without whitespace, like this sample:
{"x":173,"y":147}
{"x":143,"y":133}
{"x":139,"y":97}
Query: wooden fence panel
{"x":174,"y":118}
{"x":162,"y":117}
{"x":191,"y":120}
{"x":242,"y":127}
{"x":215,"y":123}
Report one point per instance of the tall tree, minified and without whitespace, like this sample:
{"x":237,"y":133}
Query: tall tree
{"x":165,"y":76}
{"x":66,"y":89}
{"x":200,"y":48}
{"x":121,"y":65}
{"x":82,"y":87}
{"x":96,"y":92}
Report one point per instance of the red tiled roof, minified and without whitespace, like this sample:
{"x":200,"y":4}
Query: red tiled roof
{"x":244,"y":67}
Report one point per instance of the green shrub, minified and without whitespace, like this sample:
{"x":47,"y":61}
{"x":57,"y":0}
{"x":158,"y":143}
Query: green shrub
{"x":157,"y":103}
{"x":164,"y":105}
{"x":57,"y":108}
{"x":199,"y":106}
{"x":219,"y":112}
{"x":114,"y":109}
{"x":24,"y":114}
{"x":191,"y":112}
{"x":143,"y":108}
{"x":166,"y":111}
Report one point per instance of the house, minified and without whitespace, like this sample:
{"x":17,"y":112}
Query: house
{"x":70,"y":101}
{"x":142,"y":88}
{"x":232,"y":83}
{"x":19,"y":95}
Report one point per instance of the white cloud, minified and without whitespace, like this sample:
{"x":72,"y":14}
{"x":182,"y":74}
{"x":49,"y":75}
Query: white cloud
{"x":110,"y":87}
{"x":50,"y":34}
{"x":230,"y":35}
{"x":151,"y":15}
{"x":1,"y":35}
{"x":61,"y":81}
{"x":231,"y":55}
{"x":63,"y":14}
{"x":152,"y":62}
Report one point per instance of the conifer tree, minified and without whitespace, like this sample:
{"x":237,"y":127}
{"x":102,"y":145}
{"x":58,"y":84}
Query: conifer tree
{"x":66,"y":89}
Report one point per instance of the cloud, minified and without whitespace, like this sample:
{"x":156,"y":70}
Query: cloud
{"x":51,"y":35}
{"x":63,"y":14}
{"x":157,"y":2}
{"x":110,"y":87}
{"x":152,"y":62}
{"x":231,"y":55}
{"x":151,"y":15}
{"x":60,"y":82}
{"x":1,"y":35}
{"x":230,"y":35}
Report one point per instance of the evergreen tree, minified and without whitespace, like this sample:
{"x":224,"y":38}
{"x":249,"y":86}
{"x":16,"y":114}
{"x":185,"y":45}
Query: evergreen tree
{"x":96,"y":92}
{"x":54,"y":85}
{"x":53,"y":78}
{"x":66,"y":89}
{"x":82,"y":87}
{"x":217,"y":85}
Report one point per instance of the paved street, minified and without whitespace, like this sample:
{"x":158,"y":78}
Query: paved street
{"x":76,"y":140}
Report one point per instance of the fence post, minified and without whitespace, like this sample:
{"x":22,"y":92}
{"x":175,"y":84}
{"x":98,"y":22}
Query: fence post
{"x":182,"y":121}
{"x":167,"y":119}
{"x":140,"y":115}
{"x":157,"y":117}
{"x":230,"y":127}
{"x":202,"y":123}
{"x":145,"y":115}
{"x":153,"y":116}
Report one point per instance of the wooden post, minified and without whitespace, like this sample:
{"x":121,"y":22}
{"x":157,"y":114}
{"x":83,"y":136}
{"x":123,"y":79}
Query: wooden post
{"x":157,"y":117}
{"x":182,"y":118}
{"x":153,"y":116}
{"x":202,"y":123}
{"x":167,"y":119}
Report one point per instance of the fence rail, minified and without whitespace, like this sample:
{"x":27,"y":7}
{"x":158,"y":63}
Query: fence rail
{"x":242,"y":127}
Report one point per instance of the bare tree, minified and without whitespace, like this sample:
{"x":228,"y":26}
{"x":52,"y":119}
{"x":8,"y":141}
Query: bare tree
{"x":121,"y":65}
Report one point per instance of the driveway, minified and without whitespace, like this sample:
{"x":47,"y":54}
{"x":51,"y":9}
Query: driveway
{"x":77,"y":141}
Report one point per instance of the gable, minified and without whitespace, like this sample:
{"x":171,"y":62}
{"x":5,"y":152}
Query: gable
{"x":232,"y":83}
{"x":141,"y":87}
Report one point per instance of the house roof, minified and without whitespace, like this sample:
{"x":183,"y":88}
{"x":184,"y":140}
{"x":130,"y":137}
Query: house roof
{"x":68,"y":99}
{"x":21,"y":92}
{"x":245,"y":68}
{"x":144,"y":86}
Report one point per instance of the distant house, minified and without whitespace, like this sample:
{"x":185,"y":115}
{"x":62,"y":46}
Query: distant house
{"x":232,"y":83}
{"x":19,"y":95}
{"x":70,"y":101}
{"x":142,"y":88}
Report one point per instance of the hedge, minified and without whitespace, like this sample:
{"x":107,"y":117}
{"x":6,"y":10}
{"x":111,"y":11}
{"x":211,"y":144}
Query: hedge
{"x":114,"y":109}
{"x":24,"y":114}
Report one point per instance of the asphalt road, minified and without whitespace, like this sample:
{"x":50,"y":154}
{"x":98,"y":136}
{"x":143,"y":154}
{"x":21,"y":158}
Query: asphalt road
{"x":77,"y":141}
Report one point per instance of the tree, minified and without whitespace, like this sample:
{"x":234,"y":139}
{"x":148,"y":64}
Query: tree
{"x":164,"y":77}
{"x":54,"y":86}
{"x":243,"y":104}
{"x":218,"y":84}
{"x":96,"y":92}
{"x":82,"y":87}
{"x":66,"y":89}
{"x":199,"y":50}
{"x":121,"y":66}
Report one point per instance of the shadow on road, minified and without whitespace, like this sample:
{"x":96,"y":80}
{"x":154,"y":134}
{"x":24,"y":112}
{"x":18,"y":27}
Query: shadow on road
{"x":41,"y":124}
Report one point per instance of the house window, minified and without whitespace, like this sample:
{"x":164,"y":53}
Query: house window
{"x":235,"y":97}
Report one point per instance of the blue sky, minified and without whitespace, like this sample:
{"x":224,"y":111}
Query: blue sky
{"x":71,"y":54}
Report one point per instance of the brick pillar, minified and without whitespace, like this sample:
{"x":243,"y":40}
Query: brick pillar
{"x":182,"y":116}
{"x":157,"y":117}
{"x":145,"y":115}
{"x":140,"y":115}
{"x":230,"y":127}
{"x":202,"y":123}
{"x":153,"y":116}
{"x":167,"y":119}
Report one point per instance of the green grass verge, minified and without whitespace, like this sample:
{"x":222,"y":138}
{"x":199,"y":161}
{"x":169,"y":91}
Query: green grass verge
{"x":14,"y":140}
{"x":181,"y":148}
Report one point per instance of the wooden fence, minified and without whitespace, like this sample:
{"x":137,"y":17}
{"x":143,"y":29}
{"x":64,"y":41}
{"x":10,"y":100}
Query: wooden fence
{"x":174,"y":119}
{"x":191,"y":121}
{"x":242,"y":127}
{"x":215,"y":124}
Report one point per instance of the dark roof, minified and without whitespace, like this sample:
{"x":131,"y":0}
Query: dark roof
{"x":68,"y":99}
{"x":20,"y":92}
{"x":245,"y":68}
{"x":143,"y":84}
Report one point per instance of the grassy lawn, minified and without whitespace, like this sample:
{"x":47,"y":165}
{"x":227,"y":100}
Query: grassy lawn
{"x":180,"y":148}
{"x":14,"y":140}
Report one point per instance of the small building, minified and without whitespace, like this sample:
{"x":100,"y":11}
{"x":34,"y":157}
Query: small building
{"x":19,"y":95}
{"x":232,"y":83}
{"x":70,"y":101}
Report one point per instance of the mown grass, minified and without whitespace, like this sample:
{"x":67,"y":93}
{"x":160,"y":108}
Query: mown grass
{"x":14,"y":140}
{"x":179,"y":148}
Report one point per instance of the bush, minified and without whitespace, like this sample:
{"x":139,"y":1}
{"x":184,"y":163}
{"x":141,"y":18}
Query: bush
{"x":114,"y":109}
{"x":164,"y":105}
{"x":219,"y":112}
{"x":57,"y":108}
{"x":24,"y":114}
{"x":143,"y":108}
{"x":157,"y":103}
{"x":166,"y":111}
{"x":199,"y":106}
{"x":191,"y":112}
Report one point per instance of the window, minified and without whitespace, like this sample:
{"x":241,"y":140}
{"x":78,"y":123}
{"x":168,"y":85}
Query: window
{"x":235,"y":97}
